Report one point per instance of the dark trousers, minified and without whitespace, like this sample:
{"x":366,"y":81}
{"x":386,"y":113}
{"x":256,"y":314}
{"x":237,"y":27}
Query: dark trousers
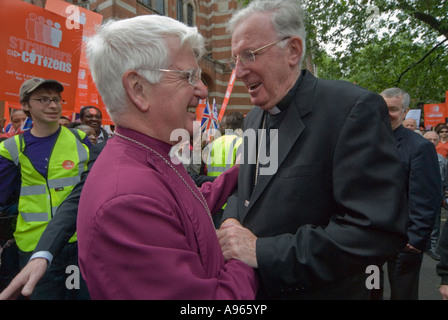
{"x":435,"y":234}
{"x":9,"y":263}
{"x":404,"y":274}
{"x":53,"y":286}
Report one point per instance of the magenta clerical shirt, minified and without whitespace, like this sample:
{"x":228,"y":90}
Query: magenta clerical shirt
{"x":142,"y":234}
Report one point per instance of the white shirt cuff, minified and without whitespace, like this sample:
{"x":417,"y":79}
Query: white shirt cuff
{"x":43,"y":254}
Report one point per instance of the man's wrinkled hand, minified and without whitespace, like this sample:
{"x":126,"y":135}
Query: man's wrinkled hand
{"x":237,"y":242}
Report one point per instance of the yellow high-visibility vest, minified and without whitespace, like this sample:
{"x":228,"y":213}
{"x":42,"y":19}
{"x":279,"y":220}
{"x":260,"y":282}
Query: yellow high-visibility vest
{"x":223,"y":154}
{"x":39,"y":196}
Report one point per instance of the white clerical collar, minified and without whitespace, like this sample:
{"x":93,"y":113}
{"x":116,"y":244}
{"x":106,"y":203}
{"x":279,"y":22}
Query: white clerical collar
{"x":274,"y":110}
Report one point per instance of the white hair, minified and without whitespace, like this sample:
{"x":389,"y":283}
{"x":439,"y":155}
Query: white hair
{"x":287,"y":17}
{"x":397,"y":92}
{"x":134,"y":44}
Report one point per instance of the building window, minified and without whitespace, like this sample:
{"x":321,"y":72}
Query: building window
{"x":180,"y":11}
{"x":160,"y":6}
{"x":190,"y":15}
{"x":146,"y":3}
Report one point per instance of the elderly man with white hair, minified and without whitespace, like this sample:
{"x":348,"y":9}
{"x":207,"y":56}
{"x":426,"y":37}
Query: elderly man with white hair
{"x":148,"y":233}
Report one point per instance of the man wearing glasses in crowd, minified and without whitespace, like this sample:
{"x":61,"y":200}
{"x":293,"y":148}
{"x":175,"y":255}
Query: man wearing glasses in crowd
{"x":43,"y":164}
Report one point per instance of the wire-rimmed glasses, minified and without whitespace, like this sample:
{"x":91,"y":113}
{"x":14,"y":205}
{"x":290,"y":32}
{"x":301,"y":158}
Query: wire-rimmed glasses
{"x":248,"y":56}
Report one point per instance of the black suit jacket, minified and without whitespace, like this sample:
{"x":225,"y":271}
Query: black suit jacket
{"x":423,"y":184}
{"x":337,"y":202}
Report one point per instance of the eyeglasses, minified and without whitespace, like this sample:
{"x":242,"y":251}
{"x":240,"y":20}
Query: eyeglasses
{"x":46,"y":101}
{"x":193,"y":75}
{"x":443,"y":131}
{"x":248,"y":56}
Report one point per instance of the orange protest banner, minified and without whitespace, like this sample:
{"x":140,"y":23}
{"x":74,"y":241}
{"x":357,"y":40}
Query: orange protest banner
{"x":37,"y":43}
{"x":434,"y":114}
{"x":77,"y":17}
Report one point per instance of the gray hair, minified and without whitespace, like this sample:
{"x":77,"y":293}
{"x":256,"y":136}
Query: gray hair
{"x":397,"y":92}
{"x":287,"y":18}
{"x":136,"y":43}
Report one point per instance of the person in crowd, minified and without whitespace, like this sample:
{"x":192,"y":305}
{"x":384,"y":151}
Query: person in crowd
{"x":18,"y":118}
{"x":410,"y":124}
{"x":319,"y":211}
{"x":442,"y":147}
{"x":44,"y":163}
{"x":64,"y":121}
{"x":422,"y":129}
{"x":423,"y":191}
{"x":152,"y":217}
{"x":442,"y":266}
{"x":433,"y":137}
{"x":19,"y":123}
{"x":2,"y":125}
{"x":93,"y":117}
{"x":89,"y":131}
{"x":222,"y":153}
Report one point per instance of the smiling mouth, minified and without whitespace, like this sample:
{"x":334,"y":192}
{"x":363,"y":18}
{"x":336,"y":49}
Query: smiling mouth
{"x":254,"y":86}
{"x":191,"y":109}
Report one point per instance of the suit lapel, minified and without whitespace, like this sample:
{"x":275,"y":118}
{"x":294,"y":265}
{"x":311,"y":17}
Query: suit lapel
{"x":289,"y":131}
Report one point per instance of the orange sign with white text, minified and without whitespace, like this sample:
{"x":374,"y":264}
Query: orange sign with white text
{"x":434,"y":114}
{"x":37,"y":43}
{"x":87,"y":93}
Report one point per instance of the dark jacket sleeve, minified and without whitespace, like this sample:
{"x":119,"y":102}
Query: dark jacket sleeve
{"x":442,"y":266}
{"x":63,"y":225}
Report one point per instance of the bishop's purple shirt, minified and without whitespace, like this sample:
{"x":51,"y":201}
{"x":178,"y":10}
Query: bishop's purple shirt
{"x":143,"y":235}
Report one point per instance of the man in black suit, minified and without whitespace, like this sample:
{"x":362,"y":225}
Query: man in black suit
{"x":331,"y":201}
{"x":423,"y":189}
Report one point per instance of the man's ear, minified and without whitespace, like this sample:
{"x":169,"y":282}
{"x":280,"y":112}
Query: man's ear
{"x":295,"y":48}
{"x":135,"y":90}
{"x":25,"y":106}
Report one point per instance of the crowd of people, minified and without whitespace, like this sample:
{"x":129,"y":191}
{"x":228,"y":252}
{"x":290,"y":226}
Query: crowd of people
{"x":299,"y":214}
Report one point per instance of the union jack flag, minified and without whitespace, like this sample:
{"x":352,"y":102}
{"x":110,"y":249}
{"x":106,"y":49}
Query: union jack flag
{"x":209,"y":118}
{"x":209,"y":122}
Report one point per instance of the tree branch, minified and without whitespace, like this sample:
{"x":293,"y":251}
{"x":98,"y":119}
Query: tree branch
{"x":419,"y":61}
{"x":432,"y":22}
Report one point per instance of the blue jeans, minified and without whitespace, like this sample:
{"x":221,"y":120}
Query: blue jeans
{"x":52,"y":286}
